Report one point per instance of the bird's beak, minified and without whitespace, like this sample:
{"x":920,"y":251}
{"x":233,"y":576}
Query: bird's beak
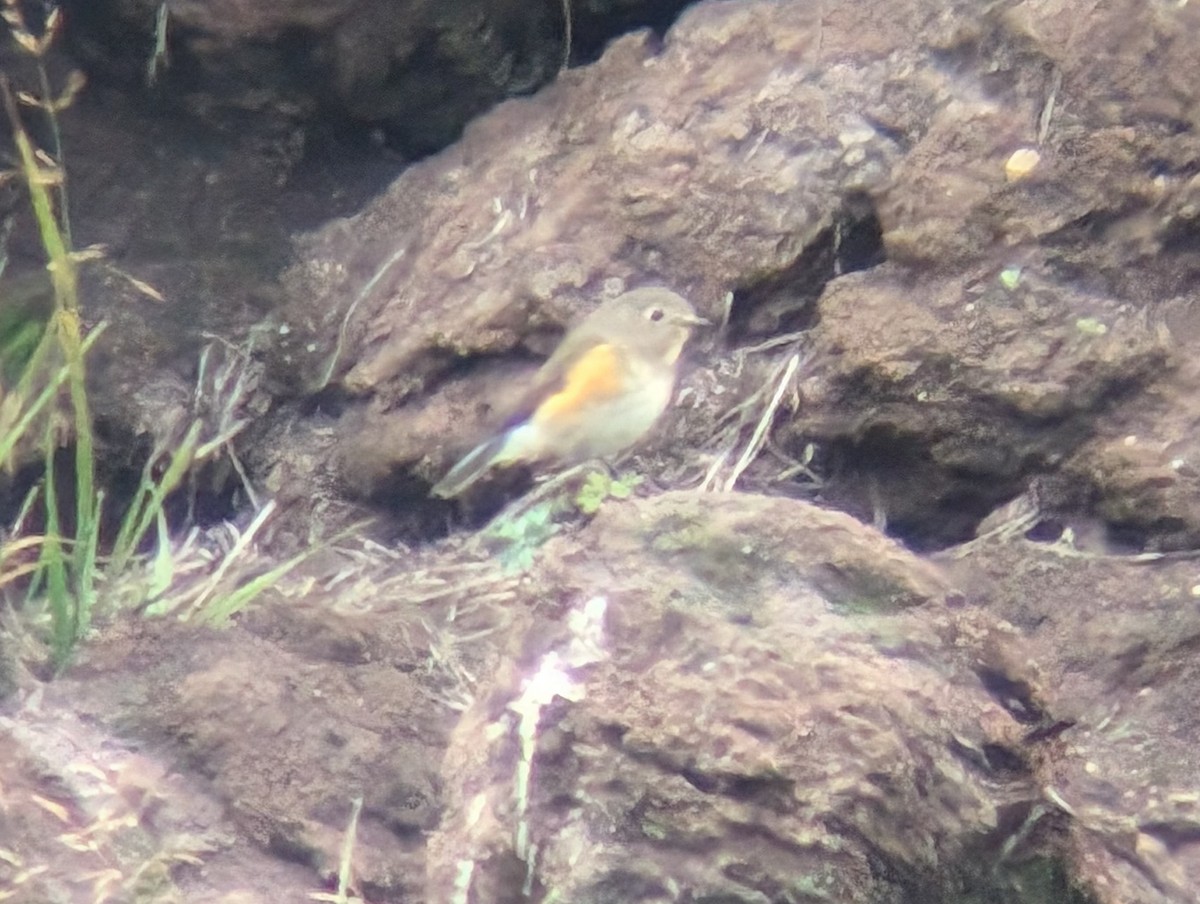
{"x":691,"y":320}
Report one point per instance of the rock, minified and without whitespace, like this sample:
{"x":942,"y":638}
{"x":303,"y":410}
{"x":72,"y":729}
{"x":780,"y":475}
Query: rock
{"x":762,"y":700}
{"x":743,"y":695}
{"x":418,"y":71}
{"x":1113,"y":636}
{"x":602,"y":182}
{"x":762,"y":671}
{"x":952,"y":396}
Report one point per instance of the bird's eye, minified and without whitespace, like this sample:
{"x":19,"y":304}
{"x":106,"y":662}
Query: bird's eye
{"x":655,"y":314}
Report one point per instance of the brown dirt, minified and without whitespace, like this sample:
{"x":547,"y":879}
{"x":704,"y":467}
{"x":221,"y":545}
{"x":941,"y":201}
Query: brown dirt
{"x":776,"y":700}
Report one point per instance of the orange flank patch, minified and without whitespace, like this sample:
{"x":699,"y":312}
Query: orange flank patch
{"x":595,"y":376}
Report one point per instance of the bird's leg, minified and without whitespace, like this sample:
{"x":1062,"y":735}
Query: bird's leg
{"x":546,"y":486}
{"x":550,"y":482}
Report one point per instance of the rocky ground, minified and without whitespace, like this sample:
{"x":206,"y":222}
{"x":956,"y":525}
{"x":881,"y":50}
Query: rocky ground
{"x":899,"y":603}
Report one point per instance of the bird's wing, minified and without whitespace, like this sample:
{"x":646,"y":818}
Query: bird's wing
{"x":562,"y":386}
{"x":565,"y":383}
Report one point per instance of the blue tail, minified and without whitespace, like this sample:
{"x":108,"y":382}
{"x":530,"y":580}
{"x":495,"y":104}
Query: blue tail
{"x":473,"y":466}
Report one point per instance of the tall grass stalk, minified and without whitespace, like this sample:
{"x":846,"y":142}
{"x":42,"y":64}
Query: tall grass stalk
{"x":66,"y":569}
{"x":70,"y":579}
{"x":52,"y":568}
{"x":151,"y":496}
{"x":49,"y":392}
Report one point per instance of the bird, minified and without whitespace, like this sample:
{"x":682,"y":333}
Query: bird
{"x":600,"y":392}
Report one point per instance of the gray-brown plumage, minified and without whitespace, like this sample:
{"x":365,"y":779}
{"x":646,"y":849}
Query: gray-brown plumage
{"x":598,"y":394}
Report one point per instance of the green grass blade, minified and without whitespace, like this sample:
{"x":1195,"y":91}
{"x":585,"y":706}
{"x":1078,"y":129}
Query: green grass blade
{"x":151,"y":497}
{"x":220,"y":610}
{"x":162,"y":569}
{"x":53,"y":565}
{"x":9,"y":441}
{"x":83,"y":558}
